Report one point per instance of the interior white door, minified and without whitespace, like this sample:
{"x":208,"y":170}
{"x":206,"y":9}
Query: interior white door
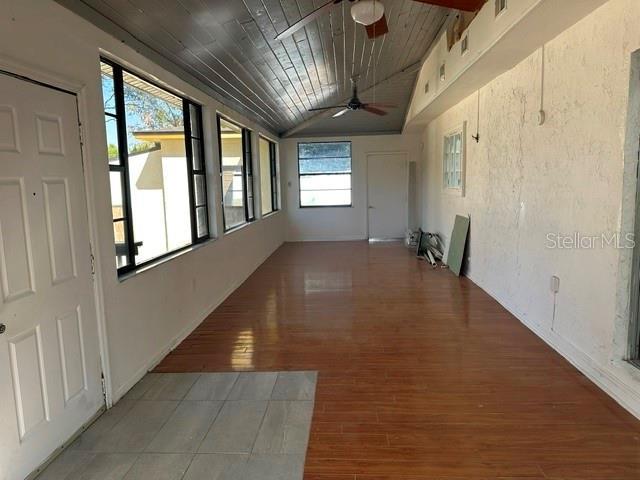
{"x":388,"y":193}
{"x":49,"y":353}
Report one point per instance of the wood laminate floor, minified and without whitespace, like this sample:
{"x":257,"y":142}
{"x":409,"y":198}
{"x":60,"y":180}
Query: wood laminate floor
{"x":422,"y":375}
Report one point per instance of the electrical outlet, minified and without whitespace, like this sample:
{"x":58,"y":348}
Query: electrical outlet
{"x":555,"y":284}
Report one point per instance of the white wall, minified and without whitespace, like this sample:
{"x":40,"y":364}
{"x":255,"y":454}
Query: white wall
{"x":339,"y":223}
{"x":575,"y":173}
{"x":146,"y":314}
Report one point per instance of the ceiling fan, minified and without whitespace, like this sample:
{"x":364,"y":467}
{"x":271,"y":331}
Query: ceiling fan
{"x":355,"y":104}
{"x":370,"y":13}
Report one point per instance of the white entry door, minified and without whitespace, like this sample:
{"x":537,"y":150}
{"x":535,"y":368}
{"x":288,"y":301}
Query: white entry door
{"x":388,"y":195}
{"x":49,"y":355}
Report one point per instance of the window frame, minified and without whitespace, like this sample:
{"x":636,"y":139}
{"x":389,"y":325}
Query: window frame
{"x":247,"y":171}
{"x":350,"y":204}
{"x":120,"y":117}
{"x":462,"y":131}
{"x":464,"y":45}
{"x":273,"y":176}
{"x":501,"y":7}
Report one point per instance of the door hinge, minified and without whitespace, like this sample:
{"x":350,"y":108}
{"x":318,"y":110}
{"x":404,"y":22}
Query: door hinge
{"x":104,"y":387}
{"x":81,"y":133}
{"x":92,"y":259}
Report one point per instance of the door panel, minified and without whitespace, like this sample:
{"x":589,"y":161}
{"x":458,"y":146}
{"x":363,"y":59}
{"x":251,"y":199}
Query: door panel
{"x":15,"y":251}
{"x":388,"y":187}
{"x":49,"y":355}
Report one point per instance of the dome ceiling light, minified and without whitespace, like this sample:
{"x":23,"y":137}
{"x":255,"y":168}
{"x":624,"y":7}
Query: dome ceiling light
{"x":367,"y":12}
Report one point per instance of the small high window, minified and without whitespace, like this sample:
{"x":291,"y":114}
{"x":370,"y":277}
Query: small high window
{"x":443,"y":73}
{"x":501,"y":6}
{"x":464,"y":45}
{"x":236,"y":173}
{"x":325,"y":174}
{"x":156,"y":168}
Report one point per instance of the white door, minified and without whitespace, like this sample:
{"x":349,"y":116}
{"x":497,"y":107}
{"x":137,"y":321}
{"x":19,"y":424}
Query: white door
{"x":49,"y":356}
{"x":388,"y":193}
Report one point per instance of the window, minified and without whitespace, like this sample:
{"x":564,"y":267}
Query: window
{"x":325,"y":174}
{"x":453,"y":160}
{"x":443,"y":73}
{"x":501,"y":6}
{"x":236,"y":174}
{"x":156,"y":168}
{"x":268,"y":176}
{"x":464,"y":46}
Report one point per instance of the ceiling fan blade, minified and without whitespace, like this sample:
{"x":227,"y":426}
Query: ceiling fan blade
{"x":374,"y":110}
{"x":381,"y":105}
{"x":340,"y":113}
{"x":378,"y":28}
{"x":325,"y":108}
{"x":307,"y":19}
{"x":466,"y":5}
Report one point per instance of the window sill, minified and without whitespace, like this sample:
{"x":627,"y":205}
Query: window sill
{"x":238,"y":227}
{"x":270,"y":214}
{"x":453,"y":192}
{"x":171,"y":256}
{"x":635,"y":363}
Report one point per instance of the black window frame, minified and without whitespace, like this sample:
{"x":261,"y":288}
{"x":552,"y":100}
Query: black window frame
{"x":349,"y":205}
{"x":190,"y":138}
{"x":273,"y":175}
{"x":248,"y":198}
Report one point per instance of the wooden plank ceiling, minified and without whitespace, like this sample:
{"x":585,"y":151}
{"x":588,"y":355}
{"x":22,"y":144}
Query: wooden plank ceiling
{"x":230,"y":46}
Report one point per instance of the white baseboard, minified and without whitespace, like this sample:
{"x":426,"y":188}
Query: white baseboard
{"x":339,"y":238}
{"x":184,"y":333}
{"x":613,"y":385}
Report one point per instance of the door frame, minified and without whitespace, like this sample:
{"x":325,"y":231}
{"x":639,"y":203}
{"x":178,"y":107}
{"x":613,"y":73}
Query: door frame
{"x":405,"y":153}
{"x":53,"y":80}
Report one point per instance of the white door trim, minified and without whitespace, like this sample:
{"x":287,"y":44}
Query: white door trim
{"x":387,"y":152}
{"x":50,"y":79}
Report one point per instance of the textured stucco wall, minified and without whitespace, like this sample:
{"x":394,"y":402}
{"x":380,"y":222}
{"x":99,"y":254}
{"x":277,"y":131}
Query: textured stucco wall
{"x":569,"y":175}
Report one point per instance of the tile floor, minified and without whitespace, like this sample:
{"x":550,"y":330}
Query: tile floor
{"x":192,"y":426}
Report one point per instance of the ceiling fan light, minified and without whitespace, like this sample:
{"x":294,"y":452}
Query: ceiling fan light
{"x":367,"y":12}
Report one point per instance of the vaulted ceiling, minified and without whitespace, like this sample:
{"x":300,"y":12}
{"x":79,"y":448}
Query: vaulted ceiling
{"x":230,"y":46}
